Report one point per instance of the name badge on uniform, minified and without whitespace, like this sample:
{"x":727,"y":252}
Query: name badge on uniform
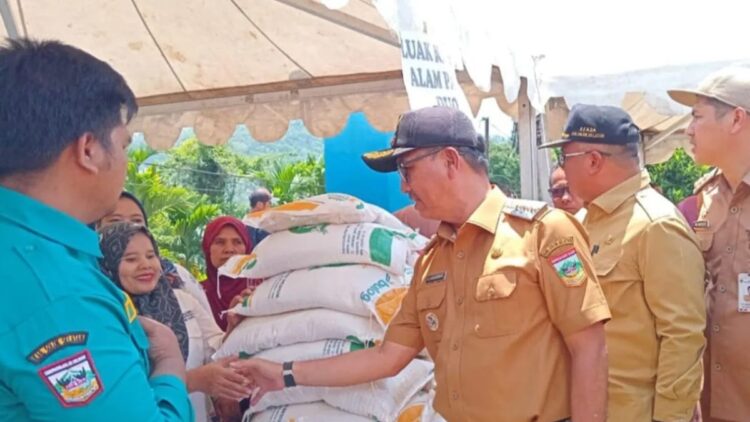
{"x":434,"y":278}
{"x":743,"y":292}
{"x":701,"y":224}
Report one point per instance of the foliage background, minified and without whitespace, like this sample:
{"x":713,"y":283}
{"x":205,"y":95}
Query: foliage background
{"x":186,"y":187}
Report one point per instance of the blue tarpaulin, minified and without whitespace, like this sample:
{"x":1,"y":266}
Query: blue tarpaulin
{"x":347,"y":173}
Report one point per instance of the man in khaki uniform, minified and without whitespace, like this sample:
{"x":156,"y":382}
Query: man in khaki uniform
{"x":720,"y":134}
{"x":504,"y":298}
{"x":649,"y":265}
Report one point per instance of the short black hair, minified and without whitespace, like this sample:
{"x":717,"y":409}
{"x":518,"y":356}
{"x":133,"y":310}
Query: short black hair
{"x":259,"y":196}
{"x":51,"y":94}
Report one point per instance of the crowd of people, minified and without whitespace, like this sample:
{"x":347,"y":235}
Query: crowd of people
{"x":609,"y":305}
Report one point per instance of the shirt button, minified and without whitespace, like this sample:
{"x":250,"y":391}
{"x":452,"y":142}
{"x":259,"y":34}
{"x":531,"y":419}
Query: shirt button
{"x":455,"y":346}
{"x":460,"y":300}
{"x":734,"y":210}
{"x":717,"y":367}
{"x":454,"y":395}
{"x":476,"y":328}
{"x":716,"y":328}
{"x":730,"y":249}
{"x":722,"y":288}
{"x":460,"y":255}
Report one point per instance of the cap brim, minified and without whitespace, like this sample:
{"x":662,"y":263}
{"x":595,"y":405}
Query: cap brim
{"x":384,"y":161}
{"x":556,"y":143}
{"x":686,"y":97}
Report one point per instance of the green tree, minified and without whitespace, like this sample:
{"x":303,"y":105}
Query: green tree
{"x":505,"y":167}
{"x":177,"y":215}
{"x":677,"y":175}
{"x":289,"y":181}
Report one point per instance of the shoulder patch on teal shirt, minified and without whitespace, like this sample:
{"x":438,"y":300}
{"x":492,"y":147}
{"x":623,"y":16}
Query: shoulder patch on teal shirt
{"x":56,"y":343}
{"x":130,"y":310}
{"x":73,"y":380}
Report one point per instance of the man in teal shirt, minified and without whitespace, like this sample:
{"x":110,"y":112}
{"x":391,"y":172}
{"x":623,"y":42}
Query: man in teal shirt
{"x":74,"y":348}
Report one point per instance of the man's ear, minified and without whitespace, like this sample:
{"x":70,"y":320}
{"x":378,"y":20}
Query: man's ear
{"x":452,"y":160}
{"x":89,"y":153}
{"x":594,"y":162}
{"x":740,"y":120}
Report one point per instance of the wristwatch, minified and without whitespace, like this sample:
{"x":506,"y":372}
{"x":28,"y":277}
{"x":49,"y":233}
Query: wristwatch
{"x":286,"y":371}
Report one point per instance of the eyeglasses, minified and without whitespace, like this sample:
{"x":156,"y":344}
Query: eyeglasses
{"x":558,"y":192}
{"x":403,"y":166}
{"x":564,"y":157}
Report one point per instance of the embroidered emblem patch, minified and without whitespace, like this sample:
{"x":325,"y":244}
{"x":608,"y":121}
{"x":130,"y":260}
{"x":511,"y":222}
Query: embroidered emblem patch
{"x":130,"y":310}
{"x":569,"y":268}
{"x":432,"y":321}
{"x":557,"y":243}
{"x":56,"y":343}
{"x":434,"y":278}
{"x":73,"y":380}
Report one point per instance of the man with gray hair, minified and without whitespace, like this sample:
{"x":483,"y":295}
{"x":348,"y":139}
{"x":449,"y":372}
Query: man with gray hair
{"x":649,"y":266}
{"x":720,"y":135}
{"x":504,"y":297}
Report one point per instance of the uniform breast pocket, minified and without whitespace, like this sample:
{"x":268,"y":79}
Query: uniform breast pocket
{"x":431,"y":308}
{"x":497,"y":307}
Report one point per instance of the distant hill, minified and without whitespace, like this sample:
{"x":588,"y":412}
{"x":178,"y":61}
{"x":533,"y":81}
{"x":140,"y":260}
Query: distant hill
{"x":297,"y":144}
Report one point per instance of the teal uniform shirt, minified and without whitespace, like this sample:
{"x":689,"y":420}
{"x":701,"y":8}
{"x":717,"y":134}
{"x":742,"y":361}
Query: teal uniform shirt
{"x":72,"y":348}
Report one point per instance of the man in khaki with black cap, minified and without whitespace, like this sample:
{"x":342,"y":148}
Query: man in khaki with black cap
{"x":504,"y":298}
{"x":720,"y":134}
{"x":648,"y":263}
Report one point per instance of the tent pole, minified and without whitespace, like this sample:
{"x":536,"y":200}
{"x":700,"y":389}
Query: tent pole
{"x":10,"y":24}
{"x":527,"y":144}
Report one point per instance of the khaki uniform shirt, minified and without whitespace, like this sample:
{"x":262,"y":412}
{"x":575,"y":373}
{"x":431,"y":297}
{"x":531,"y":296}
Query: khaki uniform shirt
{"x":651,"y":270}
{"x":723,"y":228}
{"x":492,"y":302}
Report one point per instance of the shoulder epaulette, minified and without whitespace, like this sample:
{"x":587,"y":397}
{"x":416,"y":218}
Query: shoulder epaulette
{"x":523,"y":208}
{"x":703,"y":180}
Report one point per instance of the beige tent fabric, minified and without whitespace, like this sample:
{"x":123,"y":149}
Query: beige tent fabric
{"x":663,"y":134}
{"x":214,"y":64}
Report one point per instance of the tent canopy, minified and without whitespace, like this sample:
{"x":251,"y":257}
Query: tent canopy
{"x":215,"y":64}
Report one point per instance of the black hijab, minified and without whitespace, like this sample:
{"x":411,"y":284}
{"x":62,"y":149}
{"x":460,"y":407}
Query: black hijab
{"x":161,"y":303}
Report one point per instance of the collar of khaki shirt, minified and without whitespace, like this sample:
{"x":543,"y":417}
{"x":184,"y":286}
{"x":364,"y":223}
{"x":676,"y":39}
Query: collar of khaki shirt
{"x":609,"y":201}
{"x":484,"y":217}
{"x":719,"y":173}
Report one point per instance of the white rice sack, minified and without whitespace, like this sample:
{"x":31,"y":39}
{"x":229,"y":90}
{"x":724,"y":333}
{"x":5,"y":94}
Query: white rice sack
{"x":381,"y":400}
{"x":314,"y":350}
{"x":356,"y":289}
{"x":419,"y":409}
{"x":307,"y":412}
{"x":330,"y":208}
{"x":261,"y":333}
{"x":325,"y":245}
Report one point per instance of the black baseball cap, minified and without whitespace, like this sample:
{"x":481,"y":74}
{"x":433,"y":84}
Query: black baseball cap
{"x":597,"y":125}
{"x":436,"y":126}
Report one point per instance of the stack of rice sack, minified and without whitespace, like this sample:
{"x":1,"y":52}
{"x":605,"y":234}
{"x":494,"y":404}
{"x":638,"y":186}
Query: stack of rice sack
{"x":335,"y":270}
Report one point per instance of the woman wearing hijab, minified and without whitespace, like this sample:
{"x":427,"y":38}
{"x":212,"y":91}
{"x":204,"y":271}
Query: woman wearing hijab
{"x":131,"y":259}
{"x":224,"y":238}
{"x":130,"y":209}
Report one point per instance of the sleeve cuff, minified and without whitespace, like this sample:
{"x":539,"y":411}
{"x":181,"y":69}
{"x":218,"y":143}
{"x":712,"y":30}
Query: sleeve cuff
{"x":673,"y":410}
{"x":408,"y":337}
{"x":172,"y":396}
{"x":587,"y":318}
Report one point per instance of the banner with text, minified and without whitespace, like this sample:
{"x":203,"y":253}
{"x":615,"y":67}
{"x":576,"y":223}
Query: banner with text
{"x":429,"y":78}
